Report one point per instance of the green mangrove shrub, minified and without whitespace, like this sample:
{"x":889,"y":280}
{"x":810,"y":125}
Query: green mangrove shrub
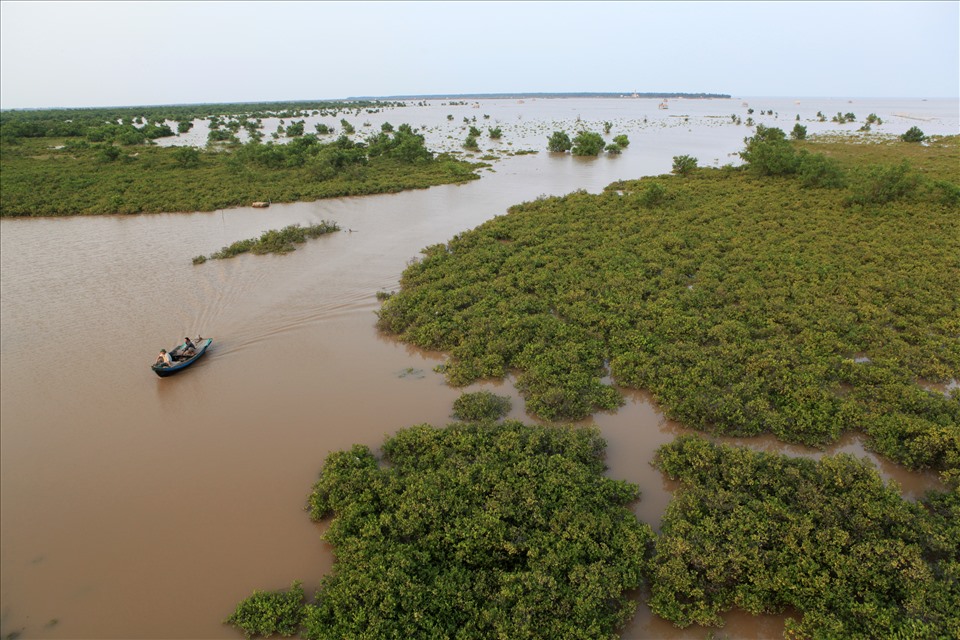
{"x":187,"y":157}
{"x":653,"y":194}
{"x":268,"y":613}
{"x":882,"y":184}
{"x":587,"y":143}
{"x":559,"y":142}
{"x":481,"y":405}
{"x":684,"y":165}
{"x":913,"y":134}
{"x":769,"y":153}
{"x":817,"y":170}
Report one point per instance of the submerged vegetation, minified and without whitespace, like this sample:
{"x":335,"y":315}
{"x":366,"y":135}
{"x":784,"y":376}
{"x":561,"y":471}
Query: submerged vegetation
{"x":149,"y":122}
{"x":748,"y":300}
{"x":273,"y":241}
{"x":476,"y":530}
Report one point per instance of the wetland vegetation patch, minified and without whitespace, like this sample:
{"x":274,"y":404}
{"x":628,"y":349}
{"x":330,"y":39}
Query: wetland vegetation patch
{"x":476,"y":530}
{"x":739,"y":296}
{"x":484,"y":529}
{"x":828,"y":538}
{"x":273,"y":241}
{"x":80,"y":174}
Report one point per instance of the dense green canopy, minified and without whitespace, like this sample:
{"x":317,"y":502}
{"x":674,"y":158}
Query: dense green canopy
{"x":747,"y":303}
{"x":44,"y":177}
{"x":477,"y":530}
{"x":764,"y":532}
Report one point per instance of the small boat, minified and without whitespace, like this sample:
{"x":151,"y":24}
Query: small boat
{"x":260,"y":205}
{"x":163,"y":370}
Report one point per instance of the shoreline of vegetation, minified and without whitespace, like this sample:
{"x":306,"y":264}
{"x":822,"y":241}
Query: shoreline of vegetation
{"x":60,"y":166}
{"x":272,"y":241}
{"x":500,"y":529}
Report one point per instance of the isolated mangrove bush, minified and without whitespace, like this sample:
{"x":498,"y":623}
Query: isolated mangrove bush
{"x":769,"y":153}
{"x":477,"y":531}
{"x":587,"y":143}
{"x":559,"y":142}
{"x":913,"y":134}
{"x":683,"y":165}
{"x":481,"y":405}
{"x":746,"y":304}
{"x":827,"y":538}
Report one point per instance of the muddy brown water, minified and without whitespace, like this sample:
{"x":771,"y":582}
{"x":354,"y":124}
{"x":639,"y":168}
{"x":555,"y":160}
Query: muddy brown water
{"x":140,"y":507}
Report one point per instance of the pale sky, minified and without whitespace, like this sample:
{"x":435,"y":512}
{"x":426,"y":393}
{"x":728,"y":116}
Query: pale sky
{"x":80,"y":54}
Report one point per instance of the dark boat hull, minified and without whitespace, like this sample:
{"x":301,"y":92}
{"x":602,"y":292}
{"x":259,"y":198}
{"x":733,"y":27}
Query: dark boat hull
{"x":177,"y":367}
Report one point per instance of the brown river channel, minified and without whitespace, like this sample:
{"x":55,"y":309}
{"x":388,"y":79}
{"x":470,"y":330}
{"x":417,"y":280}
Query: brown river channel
{"x":140,"y":507}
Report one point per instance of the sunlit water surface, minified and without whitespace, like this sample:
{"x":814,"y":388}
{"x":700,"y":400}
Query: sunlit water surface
{"x":140,"y":507}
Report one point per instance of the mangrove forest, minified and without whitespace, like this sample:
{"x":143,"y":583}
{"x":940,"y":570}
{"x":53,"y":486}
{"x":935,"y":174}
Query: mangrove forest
{"x":98,"y":161}
{"x":811,"y":291}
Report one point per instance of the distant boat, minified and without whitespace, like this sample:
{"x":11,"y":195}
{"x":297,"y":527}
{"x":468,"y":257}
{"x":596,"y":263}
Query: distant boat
{"x":260,"y":205}
{"x":163,"y":370}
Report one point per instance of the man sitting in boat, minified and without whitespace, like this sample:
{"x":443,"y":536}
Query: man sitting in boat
{"x":164,"y":359}
{"x":185,"y":351}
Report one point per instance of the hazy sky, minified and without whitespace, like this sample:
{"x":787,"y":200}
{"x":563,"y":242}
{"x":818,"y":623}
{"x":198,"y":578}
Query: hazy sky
{"x":77,"y":54}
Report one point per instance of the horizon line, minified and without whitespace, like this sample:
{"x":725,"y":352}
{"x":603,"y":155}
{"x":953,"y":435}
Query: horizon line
{"x":477,"y":95}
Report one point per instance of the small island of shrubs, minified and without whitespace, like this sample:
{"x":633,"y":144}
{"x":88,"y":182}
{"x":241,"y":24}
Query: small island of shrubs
{"x":273,"y":241}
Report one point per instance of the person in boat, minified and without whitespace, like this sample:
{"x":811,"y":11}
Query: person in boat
{"x":164,"y":359}
{"x":185,"y":351}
